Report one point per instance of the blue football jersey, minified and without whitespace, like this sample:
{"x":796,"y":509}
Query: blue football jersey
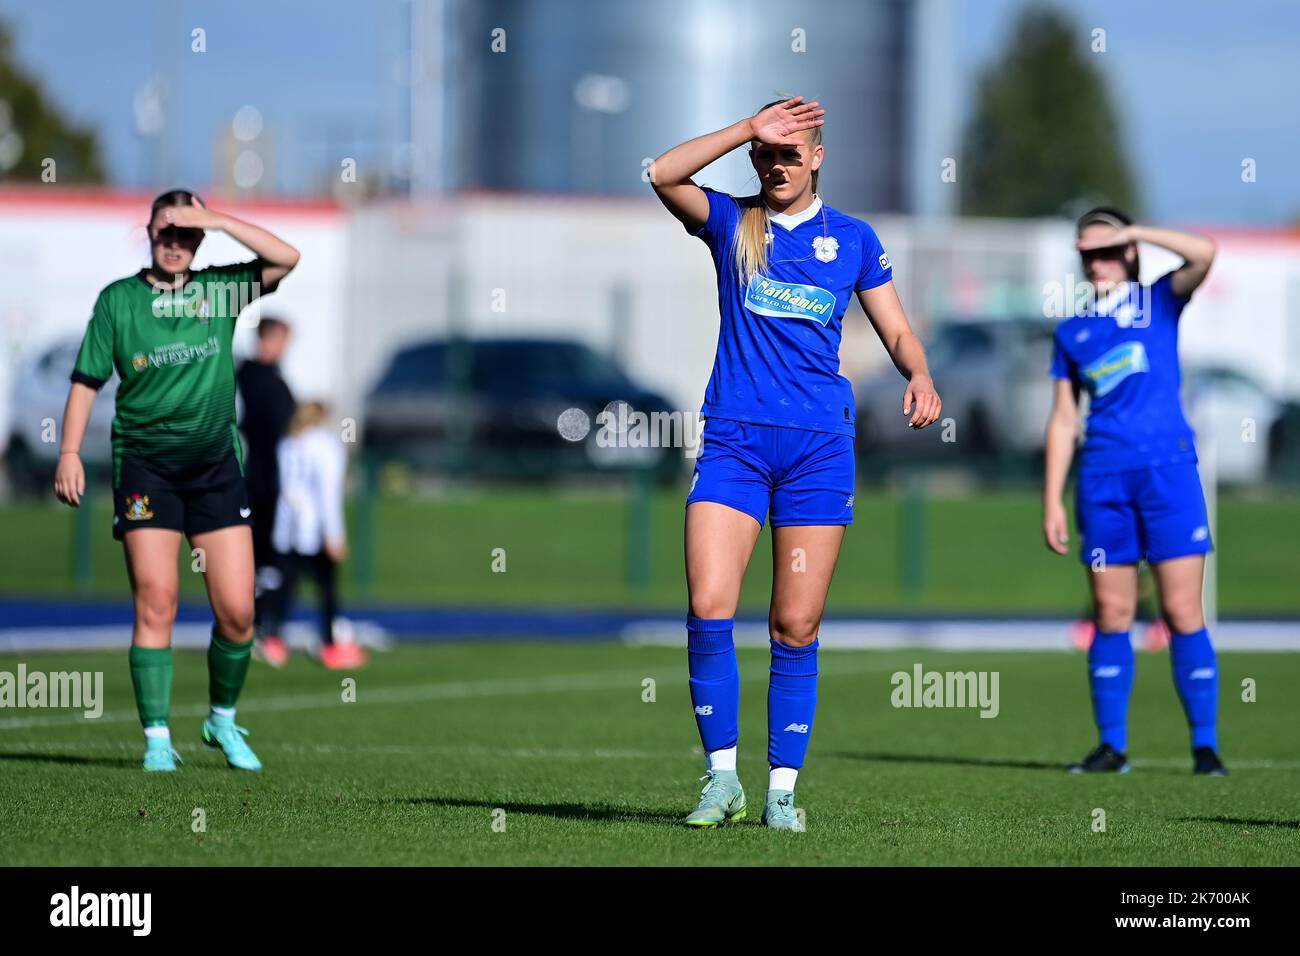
{"x":778,"y":359}
{"x":1124,"y":354}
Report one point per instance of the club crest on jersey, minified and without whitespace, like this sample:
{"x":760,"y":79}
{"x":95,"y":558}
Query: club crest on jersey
{"x":137,"y":508}
{"x":1119,"y":363}
{"x":825,"y":247}
{"x":139,"y":361}
{"x":789,"y":300}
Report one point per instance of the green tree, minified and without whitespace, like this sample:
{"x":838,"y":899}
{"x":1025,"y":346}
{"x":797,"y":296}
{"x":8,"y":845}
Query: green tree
{"x":32,"y":130}
{"x":1044,"y":138}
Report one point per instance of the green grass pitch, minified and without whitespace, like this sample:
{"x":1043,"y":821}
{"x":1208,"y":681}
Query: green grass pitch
{"x":442,"y":738}
{"x":981,"y":552}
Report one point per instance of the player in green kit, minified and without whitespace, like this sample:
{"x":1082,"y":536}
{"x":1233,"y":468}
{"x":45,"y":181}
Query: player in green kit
{"x":177,"y":461}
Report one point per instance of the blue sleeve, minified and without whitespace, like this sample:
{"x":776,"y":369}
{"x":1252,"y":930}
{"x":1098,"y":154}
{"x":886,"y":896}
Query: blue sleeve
{"x":1164,"y":300}
{"x":1061,"y":365}
{"x":724,"y":213}
{"x":876,"y":268}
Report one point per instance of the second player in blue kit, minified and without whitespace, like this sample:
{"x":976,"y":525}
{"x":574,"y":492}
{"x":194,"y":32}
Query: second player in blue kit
{"x":778,"y":438}
{"x":1139,"y":495}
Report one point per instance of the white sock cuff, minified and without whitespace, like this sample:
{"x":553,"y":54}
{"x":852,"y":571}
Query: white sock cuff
{"x":722,"y":759}
{"x":782,"y":778}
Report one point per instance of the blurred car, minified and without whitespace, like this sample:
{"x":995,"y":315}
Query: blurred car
{"x":519,"y":409}
{"x":992,"y":375}
{"x":1233,"y":412}
{"x":1284,"y":445}
{"x":40,"y":392}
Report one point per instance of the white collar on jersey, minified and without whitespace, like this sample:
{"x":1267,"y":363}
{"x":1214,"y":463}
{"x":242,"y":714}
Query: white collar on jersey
{"x":1108,"y":305}
{"x":789,"y":222}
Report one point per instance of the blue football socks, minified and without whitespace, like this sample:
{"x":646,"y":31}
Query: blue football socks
{"x":791,"y":703}
{"x":1110,"y":675}
{"x":714,"y":681}
{"x":1196,"y":675}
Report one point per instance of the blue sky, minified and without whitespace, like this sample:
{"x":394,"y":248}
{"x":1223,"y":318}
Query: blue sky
{"x":1202,"y":84}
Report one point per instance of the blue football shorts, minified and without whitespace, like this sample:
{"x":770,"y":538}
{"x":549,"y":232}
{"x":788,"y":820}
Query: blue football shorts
{"x":1151,"y":514}
{"x":801,"y":477}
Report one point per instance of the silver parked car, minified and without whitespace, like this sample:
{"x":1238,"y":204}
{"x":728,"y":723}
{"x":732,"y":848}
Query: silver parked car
{"x":1233,"y":416}
{"x":40,"y":392}
{"x":993,"y":377}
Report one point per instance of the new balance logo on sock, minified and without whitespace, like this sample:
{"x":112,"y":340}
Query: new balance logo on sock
{"x":1110,"y":671}
{"x":1201,"y":673}
{"x":704,"y":710}
{"x":797,"y":728}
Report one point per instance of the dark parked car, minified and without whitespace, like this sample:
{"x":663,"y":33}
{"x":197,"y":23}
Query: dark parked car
{"x":1284,"y":445}
{"x":519,"y":409}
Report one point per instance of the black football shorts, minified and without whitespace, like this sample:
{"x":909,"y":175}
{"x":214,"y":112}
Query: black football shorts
{"x":201,"y":500}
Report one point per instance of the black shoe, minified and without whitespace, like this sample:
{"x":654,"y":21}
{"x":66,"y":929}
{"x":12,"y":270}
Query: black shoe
{"x":1105,"y":759}
{"x":1207,"y":763}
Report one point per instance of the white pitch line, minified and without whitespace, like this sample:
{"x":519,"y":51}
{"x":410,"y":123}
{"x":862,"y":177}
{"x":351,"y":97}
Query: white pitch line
{"x":416,"y":693}
{"x":543,"y":753}
{"x":966,"y":635}
{"x":548,"y":753}
{"x":1163,"y":762}
{"x":447,"y":690}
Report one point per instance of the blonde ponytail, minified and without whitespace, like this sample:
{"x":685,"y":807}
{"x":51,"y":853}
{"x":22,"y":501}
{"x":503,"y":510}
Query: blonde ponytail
{"x":749,"y":250}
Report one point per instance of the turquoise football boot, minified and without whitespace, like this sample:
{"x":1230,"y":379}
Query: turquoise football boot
{"x":160,"y":756}
{"x":780,"y":812}
{"x":721,"y":801}
{"x":224,"y":734}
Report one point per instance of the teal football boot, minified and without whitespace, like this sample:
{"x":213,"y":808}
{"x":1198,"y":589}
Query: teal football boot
{"x":780,"y":812}
{"x":225,"y":735}
{"x":721,"y":801}
{"x":160,"y":756}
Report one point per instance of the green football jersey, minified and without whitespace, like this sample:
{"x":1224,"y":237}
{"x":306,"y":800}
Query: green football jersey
{"x":171,"y":349}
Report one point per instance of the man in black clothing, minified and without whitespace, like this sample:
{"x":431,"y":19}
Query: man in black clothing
{"x":268,"y":407}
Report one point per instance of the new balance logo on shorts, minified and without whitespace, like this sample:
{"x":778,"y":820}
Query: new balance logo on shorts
{"x":797,"y":728}
{"x":1106,"y":671}
{"x":704,"y":710}
{"x":1202,"y":673}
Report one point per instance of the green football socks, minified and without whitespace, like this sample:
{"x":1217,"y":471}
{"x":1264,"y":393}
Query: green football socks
{"x":227,"y":669}
{"x":151,"y":676}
